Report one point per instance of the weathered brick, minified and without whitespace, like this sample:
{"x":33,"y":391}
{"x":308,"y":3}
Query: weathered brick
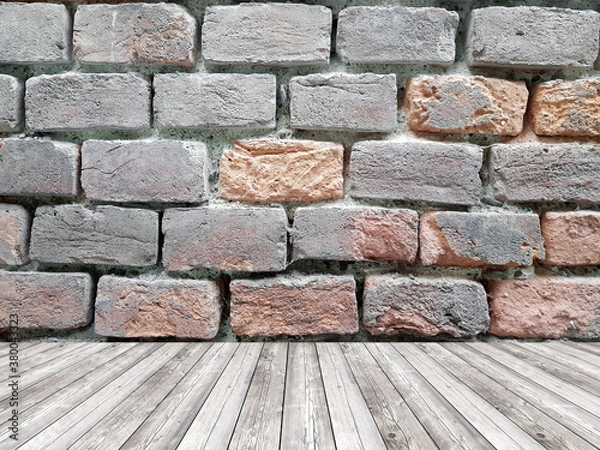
{"x":136,"y":34}
{"x":566,"y":108}
{"x":58,"y":301}
{"x":424,"y":306}
{"x":263,"y":170}
{"x":545,"y":307}
{"x":458,"y":104}
{"x":11,"y":104}
{"x":127,"y":307}
{"x":34,"y":33}
{"x":220,"y":100}
{"x":145,"y":171}
{"x":449,"y":238}
{"x":104,"y":235}
{"x":38,"y":167}
{"x":294,"y":306}
{"x":274,"y":34}
{"x":14,"y":235}
{"x":355,"y":233}
{"x":342,"y":102}
{"x":416,"y":171}
{"x":229,"y":238}
{"x":532,"y":37}
{"x":87,"y":101}
{"x":396,"y":35}
{"x":571,"y":238}
{"x":538,"y":173}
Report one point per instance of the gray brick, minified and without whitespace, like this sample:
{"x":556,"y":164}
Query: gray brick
{"x":104,"y":235}
{"x":272,"y":34}
{"x":342,"y":102}
{"x":145,"y":171}
{"x":539,"y":173}
{"x":14,"y":235}
{"x":397,"y":35}
{"x":36,"y":33}
{"x":416,"y":171}
{"x":38,"y":167}
{"x":87,"y":101}
{"x":248,"y":239}
{"x":215,"y":100}
{"x":11,"y":104}
{"x":424,"y":306}
{"x":136,"y":34}
{"x":532,"y":37}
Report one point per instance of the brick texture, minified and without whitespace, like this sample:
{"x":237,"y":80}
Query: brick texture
{"x":571,"y":238}
{"x":14,"y":235}
{"x":11,"y":104}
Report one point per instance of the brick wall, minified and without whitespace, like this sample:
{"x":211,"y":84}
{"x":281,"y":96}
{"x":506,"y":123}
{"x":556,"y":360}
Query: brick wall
{"x":222,"y":170}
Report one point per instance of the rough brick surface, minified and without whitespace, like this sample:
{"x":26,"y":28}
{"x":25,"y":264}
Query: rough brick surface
{"x":355,"y":233}
{"x":537,"y":173}
{"x":11,"y":104}
{"x":145,"y":171}
{"x":416,"y":171}
{"x":282,"y":170}
{"x":424,"y":306}
{"x":273,"y":34}
{"x":449,"y":238}
{"x":87,"y":101}
{"x":229,"y":100}
{"x":545,"y":307}
{"x":137,"y":34}
{"x":566,"y":108}
{"x":294,"y":306}
{"x":38,"y":167}
{"x":105,"y":235}
{"x":532,"y":37}
{"x":58,"y":301}
{"x":572,"y":238}
{"x":342,"y":102}
{"x":249,"y":239}
{"x":127,"y":307}
{"x":457,"y":104}
{"x":14,"y":235}
{"x":34,"y":34}
{"x":398,"y":35}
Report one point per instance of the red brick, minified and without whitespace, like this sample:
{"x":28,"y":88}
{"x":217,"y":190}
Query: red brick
{"x":14,"y":235}
{"x":571,"y":238}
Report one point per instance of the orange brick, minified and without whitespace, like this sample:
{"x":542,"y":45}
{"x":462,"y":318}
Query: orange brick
{"x":571,"y":238}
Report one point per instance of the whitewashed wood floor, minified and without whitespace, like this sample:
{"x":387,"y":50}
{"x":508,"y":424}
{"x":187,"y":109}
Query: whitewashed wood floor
{"x":296,"y":396}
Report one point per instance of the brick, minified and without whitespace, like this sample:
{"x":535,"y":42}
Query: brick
{"x":14,"y":235}
{"x":566,"y":108}
{"x":449,"y":238}
{"x":261,"y":170}
{"x":371,"y":35}
{"x":145,"y":171}
{"x":571,"y":238}
{"x":229,"y":238}
{"x":545,"y":307}
{"x":538,"y":173}
{"x":355,"y":233}
{"x":127,"y":307}
{"x":266,"y":34}
{"x":342,"y":102}
{"x":58,"y":301}
{"x":34,"y":34}
{"x":532,"y":38}
{"x":458,"y":104}
{"x":232,"y":100}
{"x":424,"y":306}
{"x":74,"y":234}
{"x":135,"y":34}
{"x":87,"y":101}
{"x":38,"y":167}
{"x":416,"y":171}
{"x":11,"y":104}
{"x":294,"y":306}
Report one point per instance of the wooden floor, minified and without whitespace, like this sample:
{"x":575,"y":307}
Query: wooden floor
{"x":298,"y":396}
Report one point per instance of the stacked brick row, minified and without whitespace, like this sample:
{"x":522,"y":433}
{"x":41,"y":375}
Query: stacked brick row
{"x":422,"y":200}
